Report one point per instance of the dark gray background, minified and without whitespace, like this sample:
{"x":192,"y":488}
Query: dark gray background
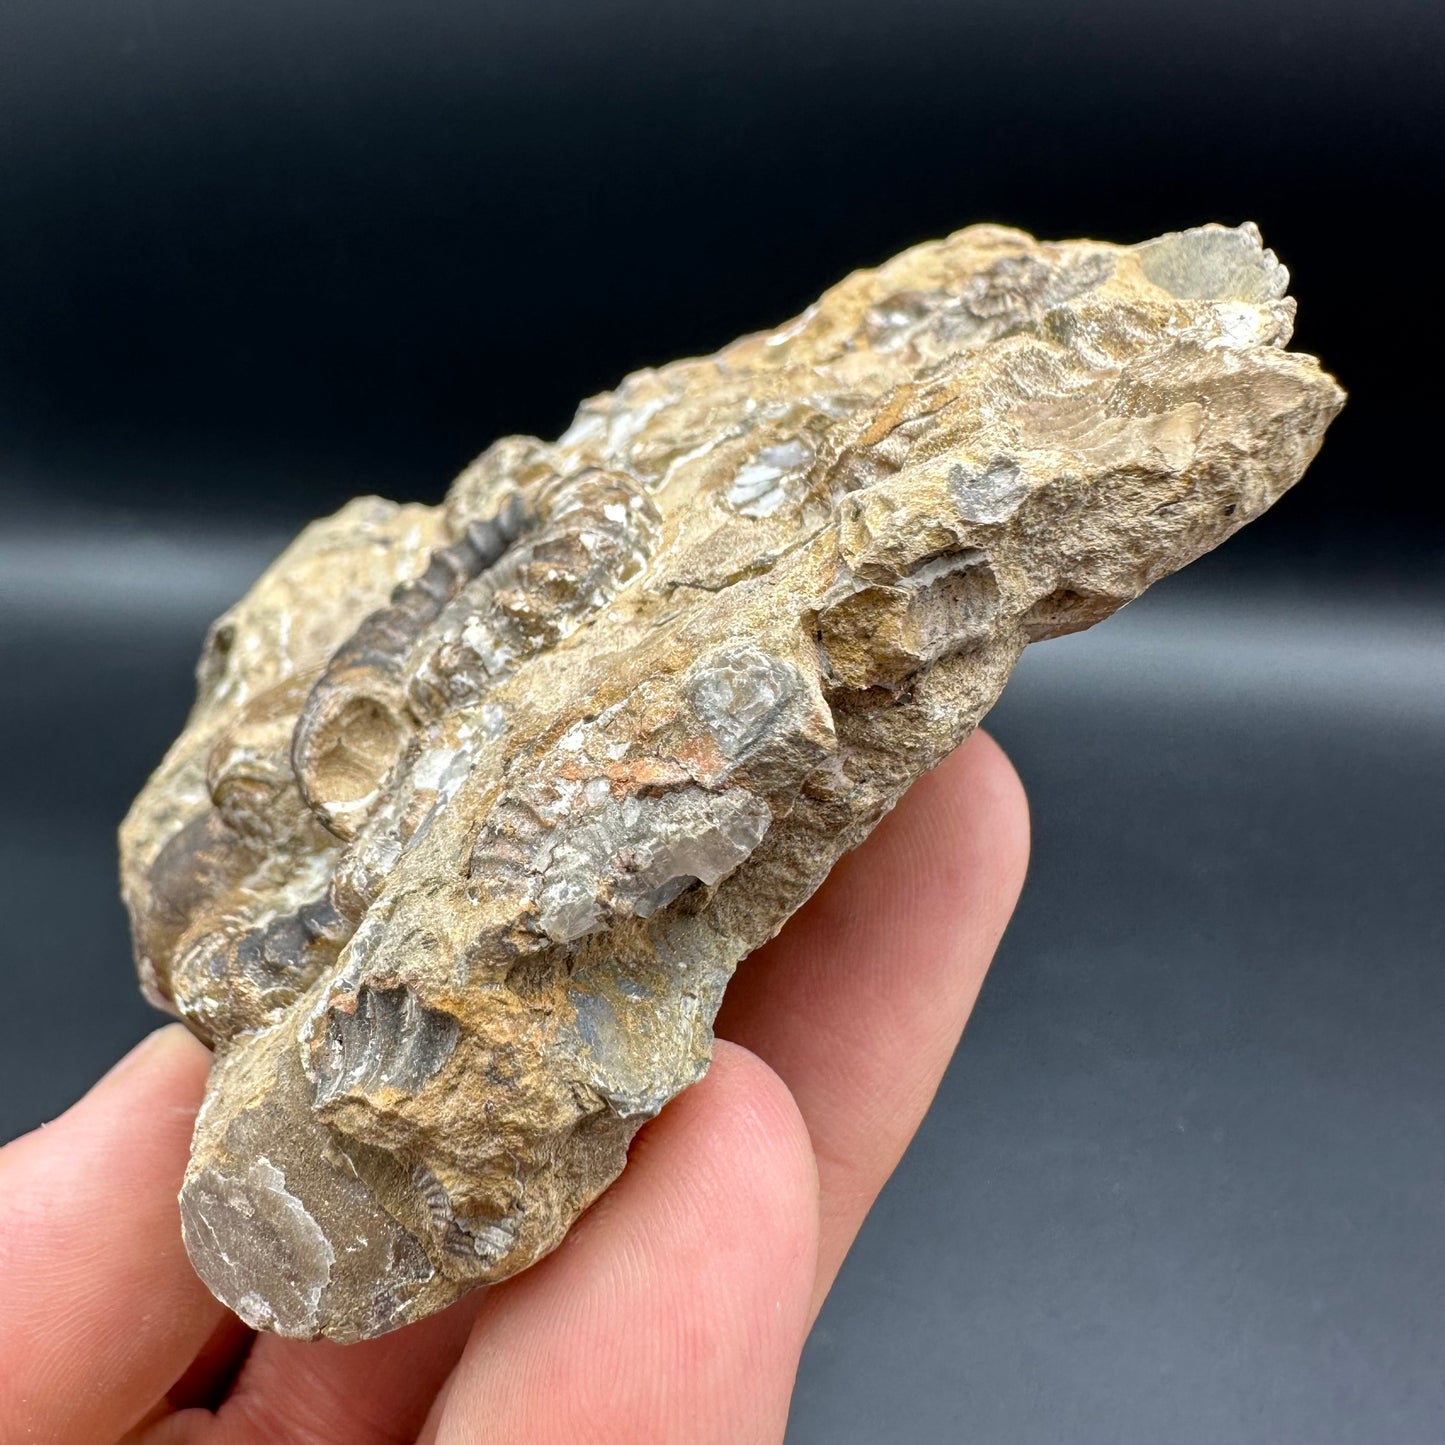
{"x":1183,"y":1182}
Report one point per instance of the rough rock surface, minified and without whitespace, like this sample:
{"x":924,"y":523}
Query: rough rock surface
{"x":479,"y":806}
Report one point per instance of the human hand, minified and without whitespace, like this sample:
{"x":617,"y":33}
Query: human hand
{"x":676,"y":1308}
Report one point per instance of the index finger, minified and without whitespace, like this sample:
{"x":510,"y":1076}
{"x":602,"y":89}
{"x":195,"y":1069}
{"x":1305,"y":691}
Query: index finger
{"x":859,"y":1002}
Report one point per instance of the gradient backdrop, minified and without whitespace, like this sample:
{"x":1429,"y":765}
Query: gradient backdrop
{"x":1185,"y":1181}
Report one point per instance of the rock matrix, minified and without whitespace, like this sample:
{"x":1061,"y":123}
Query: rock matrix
{"x":481,"y":804}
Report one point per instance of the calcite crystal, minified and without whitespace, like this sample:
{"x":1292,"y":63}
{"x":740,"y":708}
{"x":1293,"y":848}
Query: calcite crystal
{"x":480,"y":805}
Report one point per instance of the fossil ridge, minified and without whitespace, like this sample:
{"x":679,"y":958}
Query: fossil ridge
{"x":480,"y":805}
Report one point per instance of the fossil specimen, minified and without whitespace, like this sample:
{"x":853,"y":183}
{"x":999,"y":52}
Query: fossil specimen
{"x":480,"y":805}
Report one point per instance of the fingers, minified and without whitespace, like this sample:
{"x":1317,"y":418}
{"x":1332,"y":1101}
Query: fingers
{"x":661,"y":1304}
{"x":859,"y":1002}
{"x":676,"y":1308}
{"x":100,"y":1310}
{"x":210,"y":1375}
{"x":375,"y":1393}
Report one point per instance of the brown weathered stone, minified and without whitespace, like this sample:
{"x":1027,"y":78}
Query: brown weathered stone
{"x":480,"y":805}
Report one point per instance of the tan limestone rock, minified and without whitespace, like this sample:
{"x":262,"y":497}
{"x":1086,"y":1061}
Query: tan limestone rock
{"x":480,"y":805}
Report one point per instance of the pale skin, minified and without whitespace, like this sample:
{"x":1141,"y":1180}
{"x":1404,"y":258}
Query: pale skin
{"x":676,"y":1309}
